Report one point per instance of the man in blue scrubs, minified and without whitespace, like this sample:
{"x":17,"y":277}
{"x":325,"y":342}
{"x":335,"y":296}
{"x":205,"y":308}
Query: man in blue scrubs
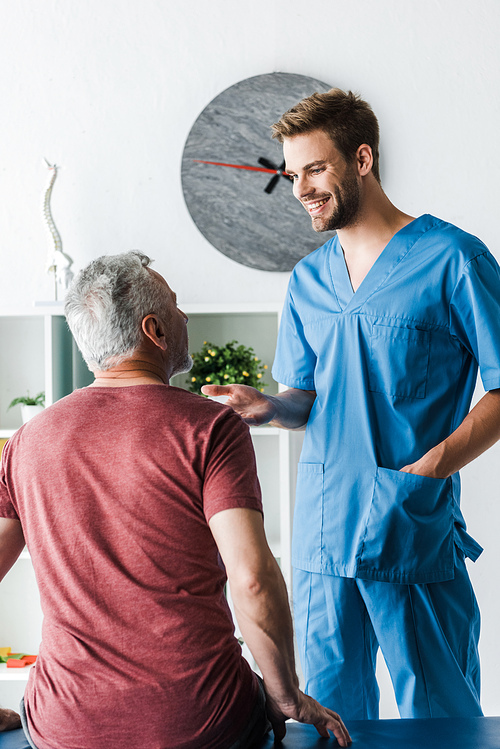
{"x":383,"y":331}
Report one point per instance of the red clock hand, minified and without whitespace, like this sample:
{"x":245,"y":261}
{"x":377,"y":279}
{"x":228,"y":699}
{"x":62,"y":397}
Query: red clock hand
{"x":240,"y":166}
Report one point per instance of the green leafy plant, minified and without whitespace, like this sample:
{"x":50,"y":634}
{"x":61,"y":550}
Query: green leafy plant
{"x":27,"y":400}
{"x":222,"y":365}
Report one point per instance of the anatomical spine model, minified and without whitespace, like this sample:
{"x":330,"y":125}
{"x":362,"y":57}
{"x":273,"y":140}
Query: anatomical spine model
{"x":58,"y":262}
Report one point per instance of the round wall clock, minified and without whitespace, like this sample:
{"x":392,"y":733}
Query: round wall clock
{"x":232,"y":175}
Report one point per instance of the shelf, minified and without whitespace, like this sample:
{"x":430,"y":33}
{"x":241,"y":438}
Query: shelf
{"x":14,"y":674}
{"x":21,"y":365}
{"x":265,"y":431}
{"x":50,"y":307}
{"x":244,"y":308}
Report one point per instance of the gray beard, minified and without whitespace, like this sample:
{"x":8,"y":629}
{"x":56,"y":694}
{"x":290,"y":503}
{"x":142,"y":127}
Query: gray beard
{"x":183,"y":365}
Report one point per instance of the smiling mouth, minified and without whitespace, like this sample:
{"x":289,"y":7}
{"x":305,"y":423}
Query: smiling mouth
{"x":314,"y":206}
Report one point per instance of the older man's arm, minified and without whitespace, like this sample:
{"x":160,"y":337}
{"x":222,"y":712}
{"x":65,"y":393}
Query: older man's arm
{"x":261,"y":604}
{"x":9,"y":719}
{"x":11,"y":545}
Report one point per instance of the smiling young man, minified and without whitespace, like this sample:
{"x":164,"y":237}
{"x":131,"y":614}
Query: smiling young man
{"x":383,"y":331}
{"x":326,"y":185}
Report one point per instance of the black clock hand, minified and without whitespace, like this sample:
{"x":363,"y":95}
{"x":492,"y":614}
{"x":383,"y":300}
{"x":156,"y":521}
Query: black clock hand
{"x":268,"y":164}
{"x":279,"y":173}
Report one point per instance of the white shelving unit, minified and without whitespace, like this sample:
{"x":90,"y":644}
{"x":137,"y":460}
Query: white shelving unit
{"x":38,"y":353}
{"x":276,"y":450}
{"x":14,"y":674}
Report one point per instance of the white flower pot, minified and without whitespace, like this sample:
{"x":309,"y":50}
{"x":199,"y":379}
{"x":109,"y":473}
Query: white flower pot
{"x":27,"y":412}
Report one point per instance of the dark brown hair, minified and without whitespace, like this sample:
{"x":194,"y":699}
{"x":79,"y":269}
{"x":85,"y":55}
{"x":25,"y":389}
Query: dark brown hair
{"x":344,"y":116}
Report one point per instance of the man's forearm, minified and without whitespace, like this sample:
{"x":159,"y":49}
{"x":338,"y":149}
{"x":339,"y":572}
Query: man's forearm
{"x":479,"y":431}
{"x":265,"y":621}
{"x":293,"y":407}
{"x":287,"y":410}
{"x":9,"y":720}
{"x":259,"y":596}
{"x":261,"y":605}
{"x":11,"y":544}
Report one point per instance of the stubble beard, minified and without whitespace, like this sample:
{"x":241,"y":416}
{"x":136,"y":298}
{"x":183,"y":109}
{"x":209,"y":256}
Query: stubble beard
{"x":345,"y":212}
{"x":182,"y":365}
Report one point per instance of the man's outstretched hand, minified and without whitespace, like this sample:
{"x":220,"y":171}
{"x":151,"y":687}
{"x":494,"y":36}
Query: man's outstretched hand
{"x":9,"y":720}
{"x":253,"y":406}
{"x":307,"y":710}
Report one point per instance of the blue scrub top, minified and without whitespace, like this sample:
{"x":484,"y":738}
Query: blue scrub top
{"x":394,"y":366}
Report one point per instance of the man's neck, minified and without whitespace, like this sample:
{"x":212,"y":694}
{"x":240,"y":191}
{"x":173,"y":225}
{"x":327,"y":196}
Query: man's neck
{"x":131,"y":372}
{"x":362,"y":243}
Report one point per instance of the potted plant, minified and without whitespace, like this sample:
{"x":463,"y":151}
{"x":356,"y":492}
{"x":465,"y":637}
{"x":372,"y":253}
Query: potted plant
{"x":223,"y":365}
{"x":30,"y":406}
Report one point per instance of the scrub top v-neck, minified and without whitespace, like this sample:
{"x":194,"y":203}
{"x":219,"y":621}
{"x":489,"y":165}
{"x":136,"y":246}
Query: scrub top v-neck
{"x":341,"y":280}
{"x":394,"y":366}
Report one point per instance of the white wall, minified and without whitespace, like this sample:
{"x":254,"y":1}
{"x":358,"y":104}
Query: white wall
{"x":108,"y":89}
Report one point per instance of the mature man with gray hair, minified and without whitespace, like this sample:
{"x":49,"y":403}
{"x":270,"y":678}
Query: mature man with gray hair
{"x":128,"y":494}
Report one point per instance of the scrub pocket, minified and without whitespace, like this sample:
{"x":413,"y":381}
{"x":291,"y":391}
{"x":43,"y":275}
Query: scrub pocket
{"x":307,"y":537}
{"x":399,"y":361}
{"x":409,"y":531}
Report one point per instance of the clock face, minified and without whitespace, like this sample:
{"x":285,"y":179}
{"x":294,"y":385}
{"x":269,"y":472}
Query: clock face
{"x":249,"y":214}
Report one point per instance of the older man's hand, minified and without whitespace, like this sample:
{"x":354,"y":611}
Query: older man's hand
{"x":9,"y":720}
{"x":306,"y":710}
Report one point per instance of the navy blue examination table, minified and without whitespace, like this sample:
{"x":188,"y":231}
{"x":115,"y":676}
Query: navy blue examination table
{"x":437,"y":733}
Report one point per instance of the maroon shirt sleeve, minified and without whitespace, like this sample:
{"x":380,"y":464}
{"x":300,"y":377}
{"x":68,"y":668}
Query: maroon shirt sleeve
{"x":231,"y":475}
{"x":6,"y":507}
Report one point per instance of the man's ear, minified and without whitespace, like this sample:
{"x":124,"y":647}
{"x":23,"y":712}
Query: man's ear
{"x":364,"y":159}
{"x":153,"y":328}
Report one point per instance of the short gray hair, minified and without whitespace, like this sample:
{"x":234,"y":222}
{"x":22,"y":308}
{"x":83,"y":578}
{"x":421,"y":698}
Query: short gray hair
{"x":106,"y":304}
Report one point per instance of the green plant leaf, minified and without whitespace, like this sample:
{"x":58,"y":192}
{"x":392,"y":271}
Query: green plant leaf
{"x":28,"y":400}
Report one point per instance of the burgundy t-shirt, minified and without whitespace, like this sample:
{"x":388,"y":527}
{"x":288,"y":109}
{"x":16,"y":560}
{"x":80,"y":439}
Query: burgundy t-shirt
{"x":114,"y":488}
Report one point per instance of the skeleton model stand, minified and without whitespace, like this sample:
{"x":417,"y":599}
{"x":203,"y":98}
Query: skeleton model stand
{"x":58,"y":262}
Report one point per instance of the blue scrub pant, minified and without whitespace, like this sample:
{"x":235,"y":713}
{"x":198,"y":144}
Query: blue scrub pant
{"x":428,"y":635}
